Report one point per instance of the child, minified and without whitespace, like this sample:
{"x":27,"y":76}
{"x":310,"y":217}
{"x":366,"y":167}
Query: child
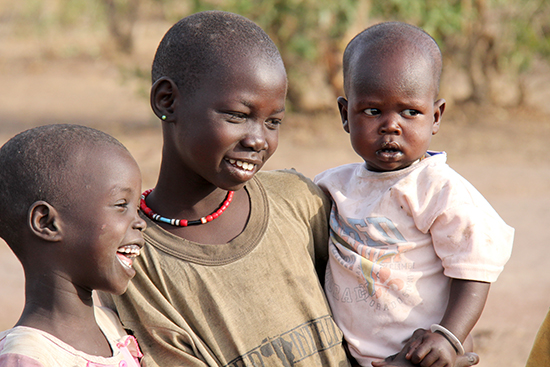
{"x":413,"y":245}
{"x":69,"y":197}
{"x":227,"y":276}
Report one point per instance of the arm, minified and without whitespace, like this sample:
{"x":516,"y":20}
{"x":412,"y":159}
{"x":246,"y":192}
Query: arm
{"x":466,"y":303}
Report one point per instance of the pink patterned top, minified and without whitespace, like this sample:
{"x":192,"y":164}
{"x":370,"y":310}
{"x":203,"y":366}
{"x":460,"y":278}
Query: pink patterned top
{"x":29,"y":347}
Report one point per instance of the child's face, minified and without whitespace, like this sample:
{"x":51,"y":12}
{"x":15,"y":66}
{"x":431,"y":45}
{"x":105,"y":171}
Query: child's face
{"x":390,"y":113}
{"x":102,"y":227}
{"x":229,"y":127}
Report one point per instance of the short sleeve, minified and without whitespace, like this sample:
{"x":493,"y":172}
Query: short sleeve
{"x":313,"y":205}
{"x":472,"y":241}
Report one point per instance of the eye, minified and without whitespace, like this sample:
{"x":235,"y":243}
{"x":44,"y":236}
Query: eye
{"x":371,"y":111}
{"x":411,"y":112}
{"x":122,"y":205}
{"x":273,"y":124}
{"x":236,"y":117}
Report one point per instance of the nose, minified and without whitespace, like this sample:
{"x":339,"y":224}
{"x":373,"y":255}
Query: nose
{"x":390,"y":126}
{"x":139,"y":223}
{"x":255,"y":138}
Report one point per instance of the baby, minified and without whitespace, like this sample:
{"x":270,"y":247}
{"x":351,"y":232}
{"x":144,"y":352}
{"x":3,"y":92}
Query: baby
{"x":413,"y":245}
{"x":69,"y":197}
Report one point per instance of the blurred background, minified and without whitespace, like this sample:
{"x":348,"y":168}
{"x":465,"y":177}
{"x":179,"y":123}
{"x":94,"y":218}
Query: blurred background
{"x":88,"y":62}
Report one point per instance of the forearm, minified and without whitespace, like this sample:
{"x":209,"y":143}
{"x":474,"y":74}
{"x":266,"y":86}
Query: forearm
{"x":466,"y":303}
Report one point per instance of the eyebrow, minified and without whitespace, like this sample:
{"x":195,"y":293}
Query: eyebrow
{"x":117,"y":188}
{"x":250,"y":105}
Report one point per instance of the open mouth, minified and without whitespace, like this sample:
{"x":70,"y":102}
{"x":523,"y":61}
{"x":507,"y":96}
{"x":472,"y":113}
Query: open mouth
{"x":126,"y":254}
{"x":389,"y":155}
{"x":389,"y":150}
{"x":242,"y":165}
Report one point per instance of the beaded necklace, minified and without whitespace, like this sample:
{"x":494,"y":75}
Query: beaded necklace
{"x":183,"y":222}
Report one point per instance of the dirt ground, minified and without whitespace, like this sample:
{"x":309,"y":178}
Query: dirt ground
{"x":502,"y":152}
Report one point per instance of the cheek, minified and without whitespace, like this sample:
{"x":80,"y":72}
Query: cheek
{"x":361,"y":136}
{"x":272,"y":142}
{"x":113,"y":231}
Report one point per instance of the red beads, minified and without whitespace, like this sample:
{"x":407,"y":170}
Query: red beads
{"x":183,"y":222}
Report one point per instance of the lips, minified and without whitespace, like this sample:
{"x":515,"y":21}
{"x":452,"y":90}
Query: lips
{"x":127,"y":253}
{"x":389,"y":151}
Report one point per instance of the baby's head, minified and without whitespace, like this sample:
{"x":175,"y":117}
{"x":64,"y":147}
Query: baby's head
{"x":391,"y":82}
{"x":219,"y":86}
{"x":68,"y":204}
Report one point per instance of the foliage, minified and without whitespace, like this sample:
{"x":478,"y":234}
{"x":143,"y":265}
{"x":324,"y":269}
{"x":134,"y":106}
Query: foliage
{"x":484,"y":39}
{"x":308,"y":33}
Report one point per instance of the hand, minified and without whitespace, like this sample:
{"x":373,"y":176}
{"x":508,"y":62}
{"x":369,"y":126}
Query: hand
{"x":399,"y":360}
{"x":430,"y":349}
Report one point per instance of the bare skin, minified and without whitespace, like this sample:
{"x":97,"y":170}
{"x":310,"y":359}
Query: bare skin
{"x":64,"y":312}
{"x":69,"y":252}
{"x":203,"y":133}
{"x":466,"y":304}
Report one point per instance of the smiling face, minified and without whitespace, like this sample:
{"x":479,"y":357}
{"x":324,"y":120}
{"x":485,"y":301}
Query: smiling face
{"x":102,"y":227}
{"x":229,"y":127}
{"x":390,"y":112}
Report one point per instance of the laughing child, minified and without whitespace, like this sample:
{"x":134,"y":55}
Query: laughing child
{"x":413,"y":245}
{"x":69,"y":197}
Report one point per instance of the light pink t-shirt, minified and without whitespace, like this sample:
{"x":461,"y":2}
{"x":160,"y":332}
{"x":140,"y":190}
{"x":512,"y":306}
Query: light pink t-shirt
{"x":396,"y":239}
{"x":29,"y":347}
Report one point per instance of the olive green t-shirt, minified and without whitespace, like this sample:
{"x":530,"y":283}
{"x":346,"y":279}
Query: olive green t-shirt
{"x":540,"y":353}
{"x":255,"y":301}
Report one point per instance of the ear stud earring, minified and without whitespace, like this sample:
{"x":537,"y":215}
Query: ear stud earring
{"x":163,"y":117}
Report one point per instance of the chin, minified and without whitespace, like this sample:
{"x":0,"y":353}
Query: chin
{"x":119,"y":291}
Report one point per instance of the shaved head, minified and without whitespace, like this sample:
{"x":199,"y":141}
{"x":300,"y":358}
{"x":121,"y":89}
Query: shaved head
{"x":40,"y":164}
{"x":382,"y":49}
{"x":206,"y":42}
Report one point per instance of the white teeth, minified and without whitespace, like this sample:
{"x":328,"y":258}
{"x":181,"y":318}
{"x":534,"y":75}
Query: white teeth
{"x":132,"y":250}
{"x":244,"y":165}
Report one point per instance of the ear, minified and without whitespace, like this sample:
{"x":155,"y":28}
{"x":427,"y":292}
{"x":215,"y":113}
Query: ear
{"x":343,"y":108}
{"x":44,"y":221}
{"x":164,"y":94}
{"x":439,"y":108}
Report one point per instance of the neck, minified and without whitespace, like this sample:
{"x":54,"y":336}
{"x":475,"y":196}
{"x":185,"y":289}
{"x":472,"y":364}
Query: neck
{"x":65,"y":313}
{"x":181,"y":196}
{"x":49,"y":300}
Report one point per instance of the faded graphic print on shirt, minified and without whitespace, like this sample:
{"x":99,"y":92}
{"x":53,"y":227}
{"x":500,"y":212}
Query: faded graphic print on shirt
{"x":382,"y":270}
{"x":304,"y":343}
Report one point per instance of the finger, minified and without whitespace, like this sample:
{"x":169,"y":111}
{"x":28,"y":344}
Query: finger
{"x":420,"y":353}
{"x":379,"y":363}
{"x":413,"y":346}
{"x":468,"y":359}
{"x":428,"y":360}
{"x":442,"y":362}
